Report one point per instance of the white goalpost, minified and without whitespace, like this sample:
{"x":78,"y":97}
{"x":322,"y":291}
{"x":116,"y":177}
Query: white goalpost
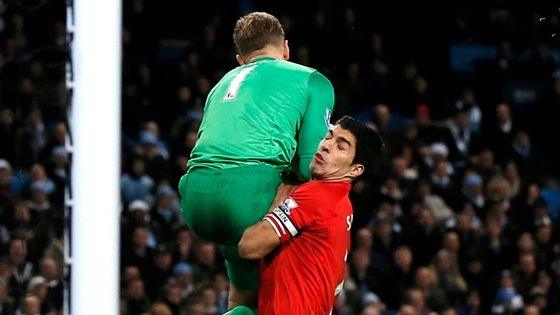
{"x":95,"y":127}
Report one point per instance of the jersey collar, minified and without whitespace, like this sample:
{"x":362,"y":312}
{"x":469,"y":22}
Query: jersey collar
{"x":262,"y":59}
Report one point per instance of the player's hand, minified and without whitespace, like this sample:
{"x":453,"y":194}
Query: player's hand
{"x":282,"y":193}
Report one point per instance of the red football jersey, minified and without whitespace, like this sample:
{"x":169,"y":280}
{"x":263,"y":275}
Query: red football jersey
{"x":305,"y":273}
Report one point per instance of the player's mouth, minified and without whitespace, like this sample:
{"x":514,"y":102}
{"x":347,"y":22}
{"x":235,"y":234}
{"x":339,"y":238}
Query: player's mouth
{"x":319,"y":158}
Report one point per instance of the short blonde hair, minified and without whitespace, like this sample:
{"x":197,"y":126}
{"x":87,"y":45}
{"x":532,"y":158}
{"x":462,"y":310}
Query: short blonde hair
{"x":255,"y":31}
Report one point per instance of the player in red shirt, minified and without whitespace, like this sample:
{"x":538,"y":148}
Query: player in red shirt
{"x":304,"y":241}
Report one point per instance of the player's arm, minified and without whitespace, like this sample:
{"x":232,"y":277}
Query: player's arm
{"x":281,"y":224}
{"x":315,"y":122}
{"x":290,"y":181}
{"x":258,"y":240}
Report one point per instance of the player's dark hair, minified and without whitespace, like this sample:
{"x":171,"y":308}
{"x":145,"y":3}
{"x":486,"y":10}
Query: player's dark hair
{"x":369,"y":145}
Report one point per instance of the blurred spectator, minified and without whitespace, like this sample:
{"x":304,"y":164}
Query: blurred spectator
{"x":425,"y":237}
{"x":7,"y":305}
{"x":449,"y":311}
{"x":363,"y":240}
{"x":539,"y":298}
{"x":206,"y":264}
{"x":526,"y":157}
{"x":151,"y":131}
{"x":484,"y":164}
{"x":138,"y":253}
{"x":135,"y":183}
{"x":387,"y":238}
{"x":159,"y":271}
{"x":210,"y":300}
{"x":382,"y":118}
{"x":531,"y":310}
{"x":403,"y":175}
{"x":439,"y":207}
{"x":496,"y":246}
{"x":499,"y":132}
{"x":362,"y":273}
{"x":195,"y":306}
{"x":523,"y":212}
{"x":172,"y":297}
{"x":472,"y":192}
{"x":183,"y":245}
{"x":427,"y":282}
{"x":57,"y":169}
{"x":136,"y":214}
{"x":467,"y":102}
{"x":471,"y":306}
{"x":165,"y":216}
{"x":511,"y":173}
{"x":160,"y":309}
{"x":38,"y":287}
{"x":183,"y":277}
{"x":128,"y":273}
{"x":47,"y":219}
{"x":544,"y":245}
{"x":459,"y":138}
{"x":11,"y":186}
{"x":134,"y":301}
{"x":525,"y":274}
{"x":507,"y":299}
{"x":8,"y":136}
{"x":349,"y":299}
{"x":449,"y":276}
{"x":31,"y":305}
{"x":427,"y":131}
{"x":33,"y":138}
{"x":407,"y":309}
{"x":21,"y":268}
{"x":221,"y":285}
{"x":373,"y":304}
{"x":417,"y":300}
{"x":399,"y":278}
{"x":39,"y":178}
{"x":50,"y":270}
{"x":56,"y":137}
{"x":370,"y":310}
{"x":438,"y":152}
{"x":153,"y":152}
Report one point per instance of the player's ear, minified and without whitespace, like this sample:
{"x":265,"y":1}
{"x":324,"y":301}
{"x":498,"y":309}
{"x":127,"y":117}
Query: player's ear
{"x":286,"y":52}
{"x":356,"y":170}
{"x":240,"y":60}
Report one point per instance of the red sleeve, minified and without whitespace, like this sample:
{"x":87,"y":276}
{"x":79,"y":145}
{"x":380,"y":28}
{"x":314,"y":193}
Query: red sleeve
{"x":297,"y":212}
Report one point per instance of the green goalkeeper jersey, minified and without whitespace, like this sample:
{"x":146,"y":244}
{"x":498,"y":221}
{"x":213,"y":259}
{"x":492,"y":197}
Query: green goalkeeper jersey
{"x":269,"y":111}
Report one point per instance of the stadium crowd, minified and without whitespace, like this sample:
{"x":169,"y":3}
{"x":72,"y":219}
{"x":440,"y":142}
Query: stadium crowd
{"x":461,"y":218}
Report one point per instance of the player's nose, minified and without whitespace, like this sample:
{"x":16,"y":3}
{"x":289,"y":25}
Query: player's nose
{"x":326,"y":146}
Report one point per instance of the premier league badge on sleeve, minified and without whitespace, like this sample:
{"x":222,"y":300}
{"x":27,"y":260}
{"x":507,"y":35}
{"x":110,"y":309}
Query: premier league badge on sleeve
{"x":287,"y":205}
{"x":328,"y":113}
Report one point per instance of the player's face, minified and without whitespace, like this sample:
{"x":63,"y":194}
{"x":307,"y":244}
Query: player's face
{"x":333,"y":159}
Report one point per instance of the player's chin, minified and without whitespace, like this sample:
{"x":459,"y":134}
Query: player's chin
{"x":316,"y":171}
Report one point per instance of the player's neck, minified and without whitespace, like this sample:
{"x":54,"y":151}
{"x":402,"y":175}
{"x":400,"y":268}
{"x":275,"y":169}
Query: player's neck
{"x":264,"y":53}
{"x":341,"y":179}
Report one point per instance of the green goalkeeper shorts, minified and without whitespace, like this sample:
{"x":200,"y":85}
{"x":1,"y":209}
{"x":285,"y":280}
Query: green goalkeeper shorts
{"x":219,"y":204}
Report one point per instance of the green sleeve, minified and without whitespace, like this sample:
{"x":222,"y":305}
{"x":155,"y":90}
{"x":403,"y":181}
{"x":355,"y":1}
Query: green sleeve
{"x":315,"y":122}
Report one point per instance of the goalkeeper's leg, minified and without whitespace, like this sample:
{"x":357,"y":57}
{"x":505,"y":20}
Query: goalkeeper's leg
{"x":241,"y":310}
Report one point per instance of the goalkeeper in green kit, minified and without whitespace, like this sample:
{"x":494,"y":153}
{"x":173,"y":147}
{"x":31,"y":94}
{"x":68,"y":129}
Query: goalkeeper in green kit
{"x":263,"y":119}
